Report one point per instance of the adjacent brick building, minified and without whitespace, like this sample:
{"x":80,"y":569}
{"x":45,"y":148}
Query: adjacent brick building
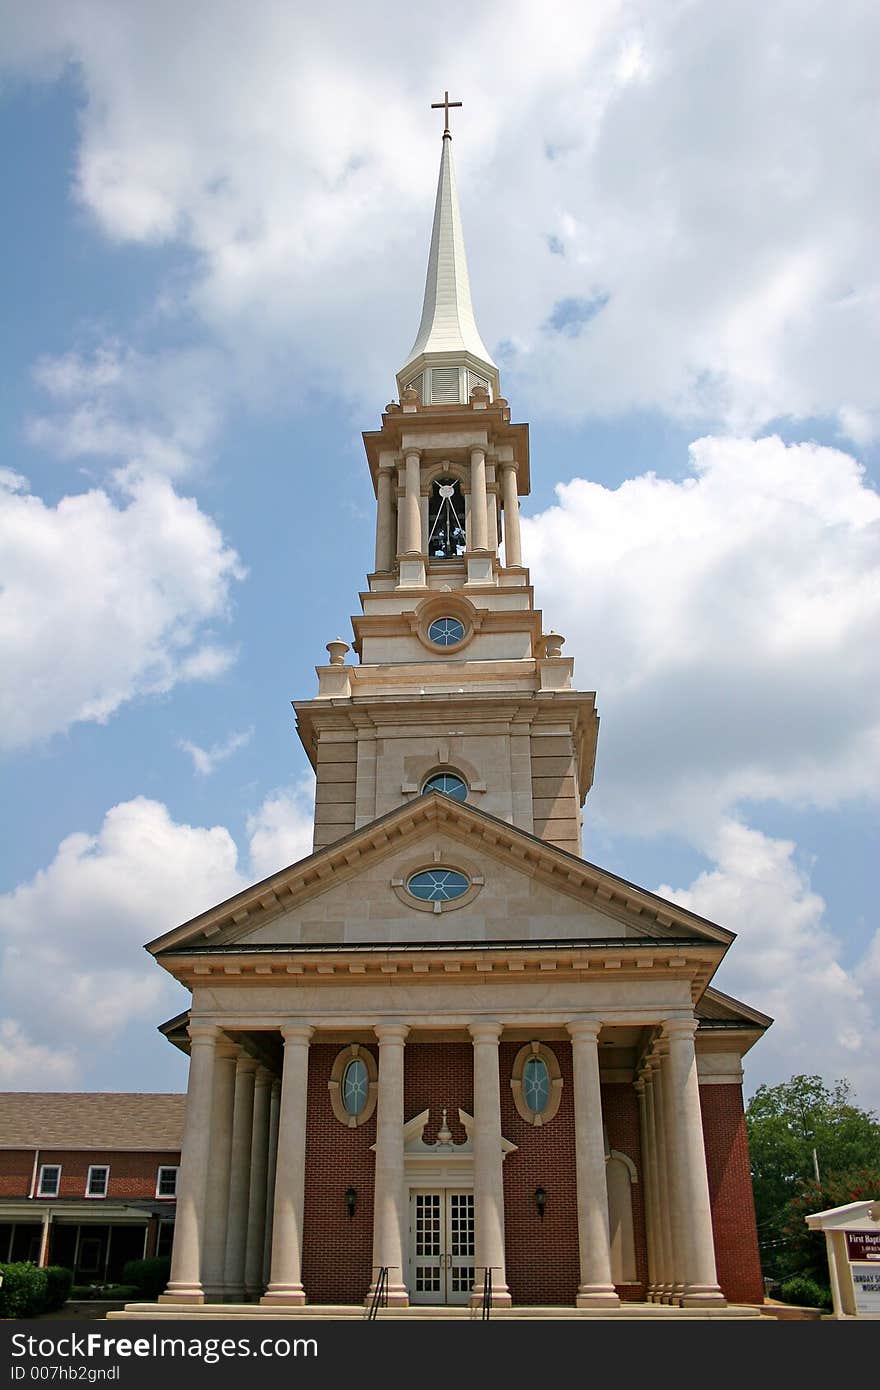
{"x":88,"y":1180}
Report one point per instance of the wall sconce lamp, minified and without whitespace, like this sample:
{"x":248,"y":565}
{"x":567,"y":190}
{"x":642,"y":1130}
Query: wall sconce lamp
{"x":540,"y":1200}
{"x":351,"y":1200}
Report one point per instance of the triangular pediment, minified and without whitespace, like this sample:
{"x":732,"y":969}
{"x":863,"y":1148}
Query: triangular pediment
{"x":522,"y":888}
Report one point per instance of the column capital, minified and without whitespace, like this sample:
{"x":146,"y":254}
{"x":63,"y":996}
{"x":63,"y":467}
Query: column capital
{"x":296,"y":1032}
{"x":679,"y":1027}
{"x":584,"y":1028}
{"x":227,"y":1049}
{"x":639,"y":1085}
{"x":411,"y":453}
{"x":203,"y":1033}
{"x":487,"y":1031}
{"x":506,"y":465}
{"x":391,"y":1031}
{"x":246,"y":1064}
{"x":264,"y":1076}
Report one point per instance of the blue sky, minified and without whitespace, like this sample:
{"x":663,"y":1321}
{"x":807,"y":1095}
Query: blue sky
{"x":215,"y":232}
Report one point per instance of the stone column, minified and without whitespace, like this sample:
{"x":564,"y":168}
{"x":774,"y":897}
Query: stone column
{"x":512,"y":542}
{"x":640,"y":1087}
{"x":217,"y":1197}
{"x":492,"y":519}
{"x":697,"y":1245}
{"x":286,"y":1285}
{"x":389,"y":1201}
{"x":479,"y":501}
{"x":488,"y":1175}
{"x":384,"y":520}
{"x":256,"y":1217}
{"x":239,"y":1177}
{"x":274,"y":1106}
{"x":596,"y":1288}
{"x":654,"y":1219}
{"x":412,"y":530}
{"x":184,"y":1285}
{"x":672,"y":1286}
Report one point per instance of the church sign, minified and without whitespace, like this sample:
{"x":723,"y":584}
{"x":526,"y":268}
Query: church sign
{"x":862,"y":1246}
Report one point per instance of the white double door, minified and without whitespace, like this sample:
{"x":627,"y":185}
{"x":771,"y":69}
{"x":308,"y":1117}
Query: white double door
{"x":441,"y":1246}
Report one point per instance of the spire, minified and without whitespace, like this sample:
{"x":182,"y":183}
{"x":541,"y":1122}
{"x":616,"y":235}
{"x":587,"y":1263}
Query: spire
{"x":448,"y":357}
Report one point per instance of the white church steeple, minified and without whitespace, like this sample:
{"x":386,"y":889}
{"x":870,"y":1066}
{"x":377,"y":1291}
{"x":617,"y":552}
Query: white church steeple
{"x":448,"y":358}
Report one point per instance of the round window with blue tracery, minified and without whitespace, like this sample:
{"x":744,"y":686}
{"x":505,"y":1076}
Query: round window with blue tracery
{"x":438,"y":885}
{"x":449,"y":784}
{"x":446,"y":632}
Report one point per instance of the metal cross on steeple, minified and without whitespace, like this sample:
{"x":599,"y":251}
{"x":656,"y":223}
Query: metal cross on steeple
{"x":444,"y":105}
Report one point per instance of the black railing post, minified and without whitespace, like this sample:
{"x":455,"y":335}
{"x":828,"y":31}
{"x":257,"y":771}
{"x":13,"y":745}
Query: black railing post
{"x":487,"y":1295}
{"x":380,"y":1294}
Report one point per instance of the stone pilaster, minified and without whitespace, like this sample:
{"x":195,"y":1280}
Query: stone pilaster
{"x":488,"y":1175}
{"x":274,"y":1107}
{"x":256,"y":1220}
{"x":285,"y":1285}
{"x":184,"y":1285}
{"x":217,"y":1195}
{"x":596,"y":1288}
{"x":695,"y":1241}
{"x":389,"y":1200}
{"x":239,"y":1177}
{"x":512,"y":542}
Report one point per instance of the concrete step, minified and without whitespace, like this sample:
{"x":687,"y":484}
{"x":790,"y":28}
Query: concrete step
{"x":319,"y":1312}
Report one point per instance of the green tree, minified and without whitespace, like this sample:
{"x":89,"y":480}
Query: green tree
{"x":786,"y":1123}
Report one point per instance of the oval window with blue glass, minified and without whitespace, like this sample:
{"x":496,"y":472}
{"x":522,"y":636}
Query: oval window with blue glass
{"x":438,"y":885}
{"x":446,"y":632}
{"x":536,"y":1085}
{"x":355,"y":1087}
{"x":447,"y":783}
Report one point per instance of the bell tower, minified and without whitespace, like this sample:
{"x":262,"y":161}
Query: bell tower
{"x":451,"y":682}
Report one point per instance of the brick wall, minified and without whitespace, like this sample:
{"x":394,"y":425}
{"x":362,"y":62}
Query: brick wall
{"x":16,"y":1167}
{"x":730,"y":1191}
{"x":131,"y":1174}
{"x":337,"y":1248}
{"x":542,"y":1255}
{"x":620,"y":1111}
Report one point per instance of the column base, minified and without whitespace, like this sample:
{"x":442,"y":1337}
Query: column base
{"x":395,"y":1296}
{"x":234,"y":1293}
{"x":500,"y":1299}
{"x":597,"y":1296}
{"x":284,"y":1296}
{"x":702,"y":1295}
{"x":182,"y":1293}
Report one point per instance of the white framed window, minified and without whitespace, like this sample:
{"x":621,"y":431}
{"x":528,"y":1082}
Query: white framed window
{"x":97,"y":1180}
{"x":166,"y":1182}
{"x":50,"y":1180}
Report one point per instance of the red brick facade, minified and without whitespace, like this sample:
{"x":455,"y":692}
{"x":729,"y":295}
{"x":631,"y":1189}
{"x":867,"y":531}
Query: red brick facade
{"x":132,"y":1174}
{"x":542,"y":1253}
{"x":730,"y":1190}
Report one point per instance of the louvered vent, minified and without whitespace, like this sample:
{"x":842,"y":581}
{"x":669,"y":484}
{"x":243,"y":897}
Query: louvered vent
{"x":444,"y":386}
{"x":416,"y":385}
{"x":474,"y":380}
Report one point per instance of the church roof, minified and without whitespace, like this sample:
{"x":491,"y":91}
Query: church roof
{"x":448,"y":325}
{"x":717,"y":1010}
{"x":91,"y":1120}
{"x":656,"y":917}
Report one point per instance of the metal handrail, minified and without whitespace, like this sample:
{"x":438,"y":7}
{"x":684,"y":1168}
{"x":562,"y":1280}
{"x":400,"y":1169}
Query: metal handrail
{"x":380,"y":1294}
{"x":487,"y":1295}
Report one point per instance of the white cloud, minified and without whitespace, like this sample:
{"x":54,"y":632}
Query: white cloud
{"x":72,"y":937}
{"x":281,"y":831}
{"x":103,"y":602}
{"x":205,"y":760}
{"x":154,"y":412}
{"x":702,"y":175}
{"x":731,"y":625}
{"x":787,"y":961}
